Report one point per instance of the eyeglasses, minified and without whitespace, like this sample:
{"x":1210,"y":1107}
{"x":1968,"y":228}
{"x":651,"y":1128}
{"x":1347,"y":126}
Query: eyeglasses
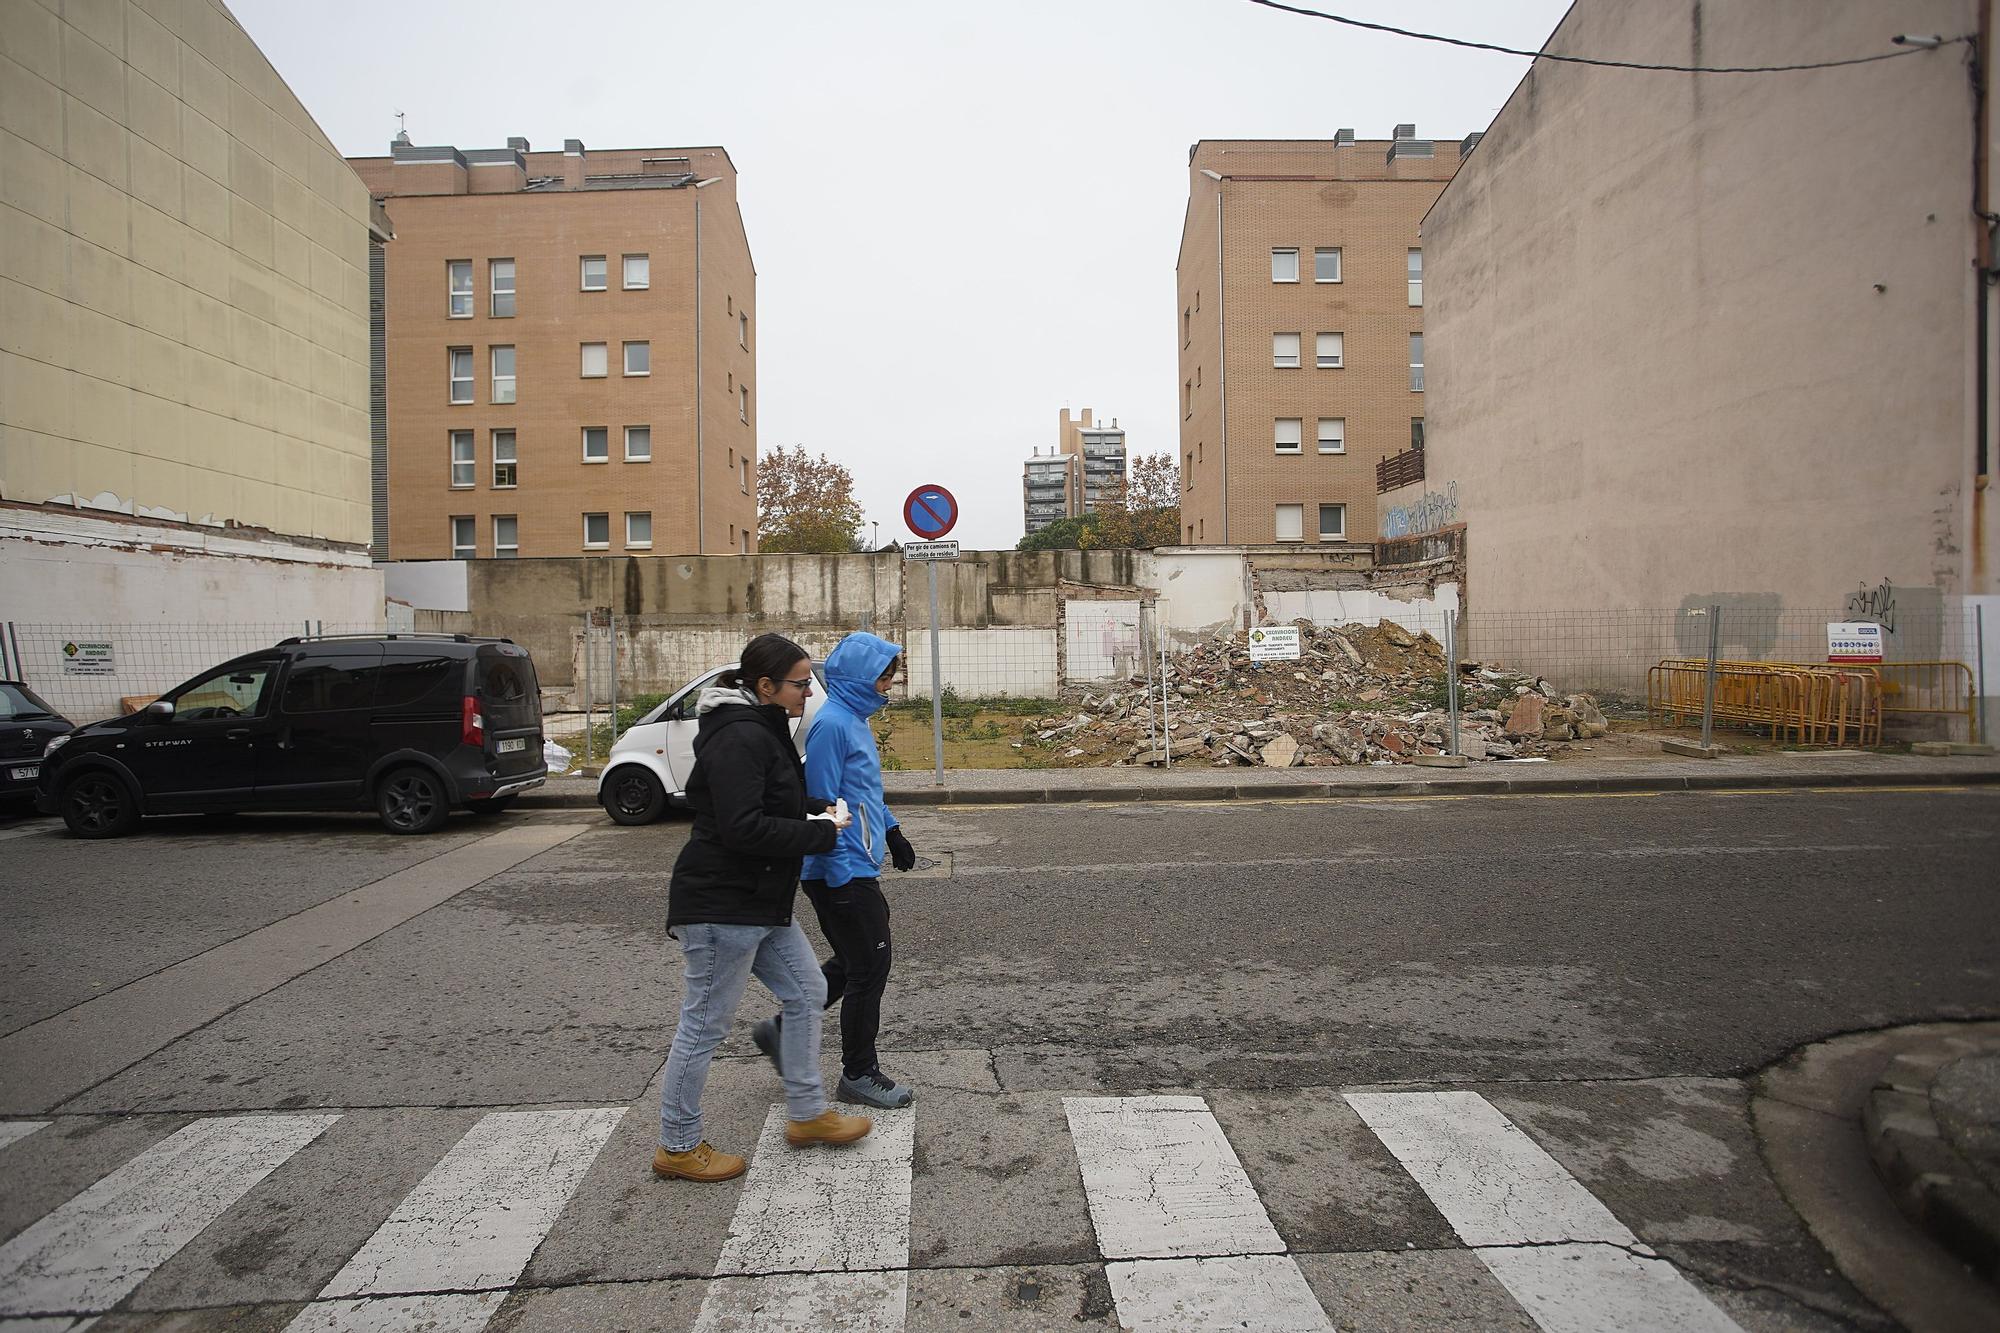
{"x":804,"y":684}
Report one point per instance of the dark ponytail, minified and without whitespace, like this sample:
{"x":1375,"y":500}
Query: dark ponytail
{"x":769,"y":655}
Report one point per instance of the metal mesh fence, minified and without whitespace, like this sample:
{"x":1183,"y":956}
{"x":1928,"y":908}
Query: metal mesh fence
{"x":1609,"y":653}
{"x":86,"y":671}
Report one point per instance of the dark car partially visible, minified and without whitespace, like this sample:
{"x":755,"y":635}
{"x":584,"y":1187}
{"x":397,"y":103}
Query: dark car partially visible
{"x":26,"y":727}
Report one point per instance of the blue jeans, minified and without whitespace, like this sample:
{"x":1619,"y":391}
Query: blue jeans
{"x":719,"y":962}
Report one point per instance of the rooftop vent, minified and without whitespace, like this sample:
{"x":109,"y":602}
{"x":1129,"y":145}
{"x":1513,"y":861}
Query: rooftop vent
{"x":1343,"y":136}
{"x":517,"y":143}
{"x":1406,"y":131}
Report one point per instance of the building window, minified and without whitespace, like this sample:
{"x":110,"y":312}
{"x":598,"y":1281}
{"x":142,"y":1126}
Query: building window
{"x":743,"y":402}
{"x":503,"y":374}
{"x":505,"y":478}
{"x":459,"y":275}
{"x":638,"y":273}
{"x":594,"y":361}
{"x":506,"y":537}
{"x":594,"y":273}
{"x":743,"y":331}
{"x":1187,"y":328}
{"x":1416,"y":363}
{"x":1288,"y":521}
{"x":464,"y":536}
{"x":1287,"y":435}
{"x":743,"y":470}
{"x":639,"y":531}
{"x":1416,"y":432}
{"x":1416,"y":277}
{"x":1285,"y":351}
{"x":1333,"y":435}
{"x":461,"y":459}
{"x":1333,"y":523}
{"x":461,"y":374}
{"x":743,"y":542}
{"x":501,"y":271}
{"x":1331,"y":347}
{"x":638,"y":444}
{"x":1284,"y":266}
{"x":596,"y":444}
{"x":1326,"y":264}
{"x":1187,"y":398}
{"x":596,"y":532}
{"x":638,"y":358}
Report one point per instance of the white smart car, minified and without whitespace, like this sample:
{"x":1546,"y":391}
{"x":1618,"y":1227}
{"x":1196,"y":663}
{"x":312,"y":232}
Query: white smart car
{"x":649,"y":766}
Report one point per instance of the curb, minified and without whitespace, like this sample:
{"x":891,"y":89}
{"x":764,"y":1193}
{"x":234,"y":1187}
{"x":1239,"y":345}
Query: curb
{"x":1232,"y":791}
{"x":1933,"y":1185}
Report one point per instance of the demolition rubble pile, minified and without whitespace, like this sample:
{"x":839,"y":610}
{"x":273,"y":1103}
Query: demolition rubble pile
{"x":1356,"y":695}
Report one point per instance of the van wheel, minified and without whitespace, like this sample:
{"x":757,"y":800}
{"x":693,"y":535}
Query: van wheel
{"x":491,"y":805}
{"x":99,"y":805}
{"x":634,"y":796}
{"x":412,"y":800}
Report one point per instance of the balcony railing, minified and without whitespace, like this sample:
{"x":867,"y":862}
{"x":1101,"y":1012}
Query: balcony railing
{"x":1402,"y":469}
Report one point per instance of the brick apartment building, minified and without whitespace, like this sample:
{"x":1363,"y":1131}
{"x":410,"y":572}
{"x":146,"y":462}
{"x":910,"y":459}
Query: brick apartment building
{"x":1301,"y":330}
{"x":566,"y":353}
{"x":1071,"y":478}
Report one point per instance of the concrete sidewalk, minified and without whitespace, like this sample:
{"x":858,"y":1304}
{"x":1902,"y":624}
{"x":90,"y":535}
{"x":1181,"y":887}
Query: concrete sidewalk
{"x":1011,"y":786}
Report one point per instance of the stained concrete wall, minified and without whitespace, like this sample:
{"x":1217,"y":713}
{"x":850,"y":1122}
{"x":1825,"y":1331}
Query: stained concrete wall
{"x":1697,"y":338}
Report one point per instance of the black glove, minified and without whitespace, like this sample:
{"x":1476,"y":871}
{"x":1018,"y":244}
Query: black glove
{"x":900,"y":851}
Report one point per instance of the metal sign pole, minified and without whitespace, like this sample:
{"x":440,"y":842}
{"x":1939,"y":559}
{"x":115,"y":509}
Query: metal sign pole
{"x":1451,"y":672}
{"x":1979,"y":628}
{"x":1166,"y":721}
{"x":937,"y":691}
{"x":614,"y":683}
{"x":1708,"y":689}
{"x":589,"y":701}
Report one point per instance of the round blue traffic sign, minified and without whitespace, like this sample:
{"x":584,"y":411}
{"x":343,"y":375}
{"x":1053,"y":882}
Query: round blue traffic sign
{"x":930,"y":512}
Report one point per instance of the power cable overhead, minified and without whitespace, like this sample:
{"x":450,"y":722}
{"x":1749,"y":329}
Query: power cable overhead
{"x":1909,"y":50}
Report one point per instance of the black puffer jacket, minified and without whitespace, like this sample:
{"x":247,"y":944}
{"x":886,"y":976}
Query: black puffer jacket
{"x":748,"y":792}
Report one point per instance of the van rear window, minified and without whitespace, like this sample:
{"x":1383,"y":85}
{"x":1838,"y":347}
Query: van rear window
{"x":509,"y":694}
{"x":332,"y":685}
{"x":406,"y":681}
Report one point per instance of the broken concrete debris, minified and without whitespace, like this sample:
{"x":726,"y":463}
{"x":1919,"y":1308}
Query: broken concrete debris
{"x":1357,"y":695}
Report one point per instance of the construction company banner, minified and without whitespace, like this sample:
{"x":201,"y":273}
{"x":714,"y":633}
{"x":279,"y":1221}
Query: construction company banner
{"x":1274,"y":643}
{"x":88,"y":659}
{"x":1853,"y":641}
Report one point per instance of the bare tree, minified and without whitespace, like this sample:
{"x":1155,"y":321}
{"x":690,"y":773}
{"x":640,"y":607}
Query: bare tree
{"x":1143,"y":511}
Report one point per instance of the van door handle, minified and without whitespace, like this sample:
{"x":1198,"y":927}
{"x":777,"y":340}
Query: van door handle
{"x":237,"y":734}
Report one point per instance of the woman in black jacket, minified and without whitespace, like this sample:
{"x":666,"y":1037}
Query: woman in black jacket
{"x":730,"y":905}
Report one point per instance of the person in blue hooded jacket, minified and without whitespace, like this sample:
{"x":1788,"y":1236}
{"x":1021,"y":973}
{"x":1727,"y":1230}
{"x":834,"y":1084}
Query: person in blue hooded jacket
{"x":845,"y":884}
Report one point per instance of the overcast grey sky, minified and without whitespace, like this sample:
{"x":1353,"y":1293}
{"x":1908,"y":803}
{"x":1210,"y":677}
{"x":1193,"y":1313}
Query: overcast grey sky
{"x":965,"y":217}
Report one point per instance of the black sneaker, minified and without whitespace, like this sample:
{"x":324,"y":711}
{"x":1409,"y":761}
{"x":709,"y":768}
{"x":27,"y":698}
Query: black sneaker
{"x":765,"y":1035}
{"x":875,"y":1088}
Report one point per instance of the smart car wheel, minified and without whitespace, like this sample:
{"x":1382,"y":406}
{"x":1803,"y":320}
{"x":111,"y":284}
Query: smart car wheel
{"x":634,"y":796}
{"x":412,"y":800}
{"x":99,"y":805}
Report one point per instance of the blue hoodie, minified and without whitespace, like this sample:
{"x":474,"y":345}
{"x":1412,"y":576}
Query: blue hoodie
{"x":842,"y":762}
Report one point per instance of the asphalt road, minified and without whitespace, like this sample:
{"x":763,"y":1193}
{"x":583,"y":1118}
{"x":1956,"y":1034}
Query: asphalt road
{"x":1603,"y":972}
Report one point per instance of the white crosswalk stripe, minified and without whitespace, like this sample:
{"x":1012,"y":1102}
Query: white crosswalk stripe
{"x":1560,"y":1252}
{"x":821,"y":1236}
{"x":1169,"y":1198}
{"x":13,"y":1131}
{"x":88,"y":1254}
{"x":458,"y":1242}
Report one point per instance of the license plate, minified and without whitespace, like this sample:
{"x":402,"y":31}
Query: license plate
{"x":516,"y":743}
{"x":31,"y":771}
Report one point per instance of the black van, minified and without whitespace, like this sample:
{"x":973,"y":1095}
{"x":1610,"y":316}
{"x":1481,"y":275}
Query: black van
{"x":413,"y":725}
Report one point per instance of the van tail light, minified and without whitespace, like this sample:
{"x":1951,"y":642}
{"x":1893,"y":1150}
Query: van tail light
{"x":474,"y":730}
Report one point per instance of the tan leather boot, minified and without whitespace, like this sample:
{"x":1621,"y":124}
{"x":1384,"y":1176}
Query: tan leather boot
{"x":700,"y":1162}
{"x":829,"y":1126}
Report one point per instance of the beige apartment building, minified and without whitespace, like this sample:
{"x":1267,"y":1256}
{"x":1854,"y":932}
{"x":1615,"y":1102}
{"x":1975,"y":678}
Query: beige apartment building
{"x":1752,"y":365}
{"x":1300,"y":326}
{"x":569,"y":350}
{"x":1088,"y":459}
{"x":184,"y":344}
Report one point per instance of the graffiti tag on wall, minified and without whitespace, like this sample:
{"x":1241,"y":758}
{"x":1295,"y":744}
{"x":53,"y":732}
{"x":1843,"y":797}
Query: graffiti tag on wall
{"x":1436,"y":509}
{"x":1877,"y":604}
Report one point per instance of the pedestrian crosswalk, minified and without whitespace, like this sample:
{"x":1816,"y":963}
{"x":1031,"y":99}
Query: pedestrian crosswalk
{"x":1179,"y":1233}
